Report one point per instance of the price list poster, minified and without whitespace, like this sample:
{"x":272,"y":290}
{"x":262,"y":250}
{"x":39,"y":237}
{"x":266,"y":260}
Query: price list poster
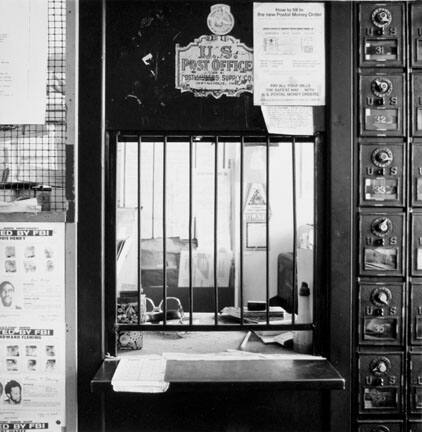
{"x":32,"y":326}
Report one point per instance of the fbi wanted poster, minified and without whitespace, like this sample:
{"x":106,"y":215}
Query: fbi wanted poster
{"x":32,"y":327}
{"x":289,"y":54}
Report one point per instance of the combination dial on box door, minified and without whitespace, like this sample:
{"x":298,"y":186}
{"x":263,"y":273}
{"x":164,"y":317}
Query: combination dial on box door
{"x":381,"y":244}
{"x":381,"y":313}
{"x":381,"y":34}
{"x":382,"y":102}
{"x":380,"y":382}
{"x":381,"y":173}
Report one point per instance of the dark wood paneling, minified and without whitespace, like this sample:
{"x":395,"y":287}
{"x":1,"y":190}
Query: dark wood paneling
{"x":251,"y":411}
{"x":340,"y":216}
{"x":136,"y":29}
{"x":90,"y":322}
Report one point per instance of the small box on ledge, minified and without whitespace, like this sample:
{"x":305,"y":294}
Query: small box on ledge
{"x":257,"y":306}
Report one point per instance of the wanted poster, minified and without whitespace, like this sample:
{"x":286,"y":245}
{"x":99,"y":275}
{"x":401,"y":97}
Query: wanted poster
{"x":32,"y":326}
{"x":31,"y":274}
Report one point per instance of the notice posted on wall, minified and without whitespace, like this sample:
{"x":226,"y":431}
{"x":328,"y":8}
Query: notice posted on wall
{"x":288,"y":120}
{"x":32,"y":326}
{"x":23,"y":61}
{"x":289,"y":54}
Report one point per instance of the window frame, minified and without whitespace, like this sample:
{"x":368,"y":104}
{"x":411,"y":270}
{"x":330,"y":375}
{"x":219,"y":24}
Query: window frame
{"x":319,"y":298}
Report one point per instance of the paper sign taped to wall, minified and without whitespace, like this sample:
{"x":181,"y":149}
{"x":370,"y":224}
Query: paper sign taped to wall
{"x":288,"y":120}
{"x":23,"y":61}
{"x":289,"y":54}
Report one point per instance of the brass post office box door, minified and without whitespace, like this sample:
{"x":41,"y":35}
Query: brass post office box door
{"x":416,"y":107}
{"x":382,"y":101}
{"x":415,"y":382}
{"x":416,"y":314}
{"x":416,"y":35}
{"x":416,"y":241}
{"x":381,"y":244}
{"x":416,"y":175}
{"x":382,"y":174}
{"x":380,"y":383}
{"x":381,"y":34}
{"x":381,"y":313}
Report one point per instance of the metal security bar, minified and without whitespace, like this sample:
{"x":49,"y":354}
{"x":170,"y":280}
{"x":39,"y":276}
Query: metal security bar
{"x":125,"y":201}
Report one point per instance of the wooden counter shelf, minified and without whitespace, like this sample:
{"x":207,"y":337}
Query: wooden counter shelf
{"x":186,"y":375}
{"x":214,"y":375}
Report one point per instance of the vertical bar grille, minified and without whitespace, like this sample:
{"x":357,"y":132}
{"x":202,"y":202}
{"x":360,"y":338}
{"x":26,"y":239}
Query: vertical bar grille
{"x":294,"y":271}
{"x":219,"y":163}
{"x":215,"y":230}
{"x":190,"y":232}
{"x":139,"y":232}
{"x":164,"y":231}
{"x":242,"y":145}
{"x":267,"y":230}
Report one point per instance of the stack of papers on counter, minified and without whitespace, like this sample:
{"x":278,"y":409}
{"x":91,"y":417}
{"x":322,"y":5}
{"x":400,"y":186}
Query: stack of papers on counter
{"x":141,"y":374}
{"x":276,"y":314}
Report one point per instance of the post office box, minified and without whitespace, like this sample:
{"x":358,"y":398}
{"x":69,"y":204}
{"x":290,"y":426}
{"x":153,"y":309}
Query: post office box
{"x":416,"y":179}
{"x":381,"y":313}
{"x":382,"y":101}
{"x":416,"y":108}
{"x":415,"y":382}
{"x":380,"y":426}
{"x":416,"y":242}
{"x":382,"y":174}
{"x":416,"y":35}
{"x":381,"y":34}
{"x":380,"y":383}
{"x":381,"y":250}
{"x":416,"y":313}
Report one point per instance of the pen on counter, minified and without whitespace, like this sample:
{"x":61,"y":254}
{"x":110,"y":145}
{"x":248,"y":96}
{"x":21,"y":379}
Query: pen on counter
{"x":245,"y":340}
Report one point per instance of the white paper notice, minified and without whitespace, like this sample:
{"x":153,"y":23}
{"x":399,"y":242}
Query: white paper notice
{"x":140,"y":374}
{"x":289,"y":54}
{"x":23,"y":61}
{"x":288,"y":120}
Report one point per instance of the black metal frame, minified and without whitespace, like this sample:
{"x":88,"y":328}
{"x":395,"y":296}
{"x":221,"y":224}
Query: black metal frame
{"x":340,"y":199}
{"x":110,"y":220}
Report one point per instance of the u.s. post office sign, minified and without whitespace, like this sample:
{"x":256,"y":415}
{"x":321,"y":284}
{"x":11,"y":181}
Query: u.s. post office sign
{"x":214,"y":65}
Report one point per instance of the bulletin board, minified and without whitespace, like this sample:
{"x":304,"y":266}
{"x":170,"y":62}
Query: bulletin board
{"x":33,"y":157}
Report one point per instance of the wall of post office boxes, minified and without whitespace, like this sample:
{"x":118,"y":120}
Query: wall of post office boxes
{"x":388,"y":146}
